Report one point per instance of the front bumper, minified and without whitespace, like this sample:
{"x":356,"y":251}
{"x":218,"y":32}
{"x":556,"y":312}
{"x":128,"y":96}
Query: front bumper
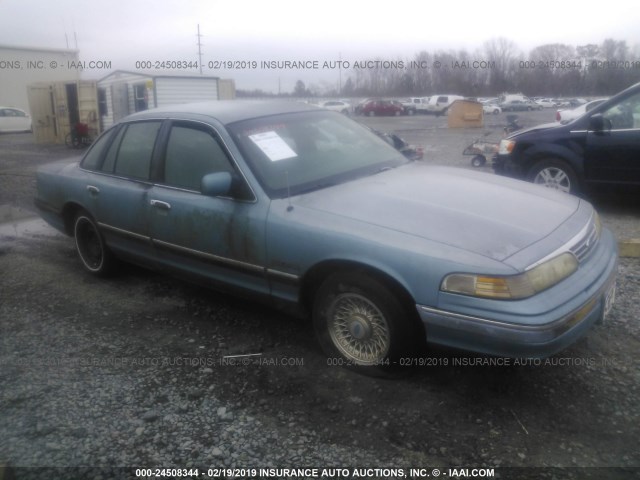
{"x":526,"y":336}
{"x":505,"y":166}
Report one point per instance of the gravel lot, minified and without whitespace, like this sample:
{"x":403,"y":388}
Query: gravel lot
{"x":130,"y":371}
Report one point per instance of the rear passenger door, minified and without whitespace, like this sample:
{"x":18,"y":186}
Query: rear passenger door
{"x":221,"y":238}
{"x":117,"y":191}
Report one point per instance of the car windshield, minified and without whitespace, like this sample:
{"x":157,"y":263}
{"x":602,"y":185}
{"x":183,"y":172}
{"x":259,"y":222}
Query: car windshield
{"x":299,"y":152}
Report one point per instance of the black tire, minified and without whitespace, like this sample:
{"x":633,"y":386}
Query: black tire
{"x":361,"y":324}
{"x":96,"y":258}
{"x":556,"y":174}
{"x":479,"y":161}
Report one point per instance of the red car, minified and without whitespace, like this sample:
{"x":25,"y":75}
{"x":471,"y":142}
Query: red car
{"x":382,"y":107}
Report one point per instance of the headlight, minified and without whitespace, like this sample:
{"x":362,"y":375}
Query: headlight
{"x":512,"y":287}
{"x":506,"y":147}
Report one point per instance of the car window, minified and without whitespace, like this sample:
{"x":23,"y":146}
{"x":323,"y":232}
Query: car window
{"x":135,"y":150}
{"x":191,"y":154}
{"x":92,"y":159}
{"x":294,"y":153}
{"x":625,"y":114}
{"x":110,"y":158}
{"x":10,"y":112}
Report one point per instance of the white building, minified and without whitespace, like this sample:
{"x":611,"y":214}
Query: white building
{"x":122,"y":93}
{"x":22,"y":66}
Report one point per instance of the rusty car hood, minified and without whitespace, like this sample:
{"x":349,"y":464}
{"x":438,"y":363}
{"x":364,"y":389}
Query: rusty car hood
{"x":477,"y":212}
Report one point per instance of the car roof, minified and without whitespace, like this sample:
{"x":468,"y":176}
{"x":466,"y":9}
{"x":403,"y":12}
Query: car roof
{"x":225,"y":111}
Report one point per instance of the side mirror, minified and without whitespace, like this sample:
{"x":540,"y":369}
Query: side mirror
{"x":216,"y":184}
{"x":598,"y":124}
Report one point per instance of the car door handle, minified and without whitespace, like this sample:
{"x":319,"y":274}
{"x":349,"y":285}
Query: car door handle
{"x":93,"y":190}
{"x":160,"y":204}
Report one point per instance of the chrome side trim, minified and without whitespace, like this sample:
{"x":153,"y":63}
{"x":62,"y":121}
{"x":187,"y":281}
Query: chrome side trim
{"x":125,"y":233}
{"x":283,"y":276}
{"x":608,"y":131}
{"x":484,"y":321}
{"x":209,"y":256}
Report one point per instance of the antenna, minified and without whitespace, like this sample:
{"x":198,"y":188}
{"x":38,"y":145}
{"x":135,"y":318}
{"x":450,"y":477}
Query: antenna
{"x":289,"y":206}
{"x":199,"y":49}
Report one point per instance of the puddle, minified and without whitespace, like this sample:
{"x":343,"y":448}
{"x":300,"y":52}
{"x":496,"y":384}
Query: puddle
{"x":28,"y":227}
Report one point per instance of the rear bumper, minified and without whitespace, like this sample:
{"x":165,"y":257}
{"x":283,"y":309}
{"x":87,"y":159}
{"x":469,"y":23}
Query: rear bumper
{"x":569,"y":323}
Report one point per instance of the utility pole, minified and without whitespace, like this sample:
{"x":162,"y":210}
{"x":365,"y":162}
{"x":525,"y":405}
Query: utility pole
{"x":199,"y":49}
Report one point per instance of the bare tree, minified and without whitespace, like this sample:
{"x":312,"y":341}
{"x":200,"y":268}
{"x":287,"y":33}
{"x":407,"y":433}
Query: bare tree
{"x":503,"y":54}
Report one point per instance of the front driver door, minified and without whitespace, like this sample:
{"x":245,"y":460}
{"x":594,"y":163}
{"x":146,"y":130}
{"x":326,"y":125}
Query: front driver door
{"x":221,"y":238}
{"x":613,"y":154}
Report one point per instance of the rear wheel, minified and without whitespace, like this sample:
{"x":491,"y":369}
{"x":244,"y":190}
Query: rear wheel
{"x":556,"y":174}
{"x":361,"y":324}
{"x":93,"y":252}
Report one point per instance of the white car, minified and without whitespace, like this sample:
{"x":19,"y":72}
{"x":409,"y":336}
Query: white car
{"x":415,"y":105}
{"x":337,"y":106}
{"x":568,"y":115}
{"x":546,"y":103}
{"x":14,"y":120}
{"x":488,"y":106}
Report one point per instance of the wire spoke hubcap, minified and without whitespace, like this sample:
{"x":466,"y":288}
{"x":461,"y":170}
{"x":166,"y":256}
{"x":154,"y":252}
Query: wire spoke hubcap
{"x":358,"y":329}
{"x":89,"y":244}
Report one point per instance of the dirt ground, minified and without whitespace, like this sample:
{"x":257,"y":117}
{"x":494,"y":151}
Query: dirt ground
{"x":132,"y":371}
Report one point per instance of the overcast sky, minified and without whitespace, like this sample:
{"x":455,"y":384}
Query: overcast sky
{"x":123,"y":32}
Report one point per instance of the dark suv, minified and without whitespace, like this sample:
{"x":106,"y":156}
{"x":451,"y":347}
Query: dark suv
{"x":600,"y":147}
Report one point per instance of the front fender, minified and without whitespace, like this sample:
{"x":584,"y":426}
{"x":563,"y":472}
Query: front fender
{"x":571,"y":152}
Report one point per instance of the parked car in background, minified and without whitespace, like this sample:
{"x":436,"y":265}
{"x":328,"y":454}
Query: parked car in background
{"x":358,"y":108}
{"x":519,"y":106}
{"x":308,"y":210}
{"x":14,"y":120}
{"x":337,"y":106}
{"x":545,"y":103}
{"x":602,"y":146}
{"x":439,"y":104}
{"x":415,"y":105}
{"x":490,"y":106}
{"x":568,"y":103}
{"x":382,"y":107}
{"x":567,"y":115}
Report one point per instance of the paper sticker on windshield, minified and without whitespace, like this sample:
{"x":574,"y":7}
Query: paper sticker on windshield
{"x":273,"y":146}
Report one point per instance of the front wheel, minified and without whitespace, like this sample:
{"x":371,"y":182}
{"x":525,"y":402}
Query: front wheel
{"x":555,"y":174}
{"x":360,"y":323}
{"x":478,"y":161}
{"x":93,"y":252}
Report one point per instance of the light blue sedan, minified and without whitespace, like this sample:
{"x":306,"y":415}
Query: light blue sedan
{"x":311,"y":211}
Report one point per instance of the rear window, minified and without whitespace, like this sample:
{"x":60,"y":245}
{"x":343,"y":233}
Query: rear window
{"x":94,"y":156}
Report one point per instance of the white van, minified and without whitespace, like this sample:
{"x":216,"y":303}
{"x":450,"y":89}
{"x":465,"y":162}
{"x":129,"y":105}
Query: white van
{"x":439,"y":103}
